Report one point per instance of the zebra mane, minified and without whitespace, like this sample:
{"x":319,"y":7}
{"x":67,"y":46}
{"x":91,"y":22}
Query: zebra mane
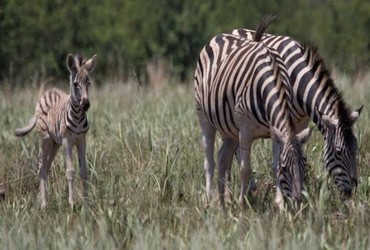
{"x":262,"y":26}
{"x":315,"y":60}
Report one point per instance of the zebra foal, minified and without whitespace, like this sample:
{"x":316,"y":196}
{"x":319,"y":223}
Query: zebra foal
{"x":61,"y":120}
{"x":240,"y":92}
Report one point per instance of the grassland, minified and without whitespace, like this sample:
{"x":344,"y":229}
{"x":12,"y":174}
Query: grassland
{"x":147,"y":186}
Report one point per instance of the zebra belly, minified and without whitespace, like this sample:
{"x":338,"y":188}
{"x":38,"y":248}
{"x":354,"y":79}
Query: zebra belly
{"x":253,"y":127}
{"x":231,"y":130}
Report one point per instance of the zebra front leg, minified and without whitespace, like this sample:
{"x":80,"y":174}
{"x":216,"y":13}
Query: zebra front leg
{"x":279,"y":199}
{"x":252,"y":183}
{"x":208,"y":140}
{"x":81,"y":148}
{"x":49,"y":150}
{"x":225,"y":157}
{"x":70,"y":172}
{"x":245,"y":143}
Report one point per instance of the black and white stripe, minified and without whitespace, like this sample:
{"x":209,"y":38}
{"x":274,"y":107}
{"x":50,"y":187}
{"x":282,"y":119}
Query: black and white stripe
{"x":62,"y":121}
{"x":316,"y":97}
{"x":240,"y":91}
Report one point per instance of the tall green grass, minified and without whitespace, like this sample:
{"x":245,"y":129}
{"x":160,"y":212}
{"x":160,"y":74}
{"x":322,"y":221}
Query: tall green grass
{"x":147,"y":185}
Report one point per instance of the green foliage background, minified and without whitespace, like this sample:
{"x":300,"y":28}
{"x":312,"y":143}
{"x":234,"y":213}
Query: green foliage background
{"x":37,"y":35}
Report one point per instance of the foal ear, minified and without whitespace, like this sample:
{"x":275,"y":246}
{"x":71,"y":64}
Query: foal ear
{"x":89,"y":65}
{"x":71,"y":63}
{"x":355,"y":114}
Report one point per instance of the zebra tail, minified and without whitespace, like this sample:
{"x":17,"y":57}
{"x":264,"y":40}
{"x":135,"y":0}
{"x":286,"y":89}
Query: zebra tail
{"x":262,"y":26}
{"x":24,"y":131}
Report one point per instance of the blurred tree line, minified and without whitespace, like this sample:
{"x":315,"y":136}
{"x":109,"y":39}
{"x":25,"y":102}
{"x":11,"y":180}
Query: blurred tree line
{"x":37,"y":35}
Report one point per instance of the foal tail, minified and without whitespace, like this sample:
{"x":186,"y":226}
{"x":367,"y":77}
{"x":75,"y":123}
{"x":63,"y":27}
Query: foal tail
{"x":24,"y":131}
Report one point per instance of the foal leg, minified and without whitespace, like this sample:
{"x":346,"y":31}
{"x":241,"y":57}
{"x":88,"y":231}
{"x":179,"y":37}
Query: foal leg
{"x":81,"y":149}
{"x":70,"y":172}
{"x":49,"y":150}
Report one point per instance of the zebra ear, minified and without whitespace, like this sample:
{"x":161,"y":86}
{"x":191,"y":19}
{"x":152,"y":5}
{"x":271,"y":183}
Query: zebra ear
{"x":71,"y":63}
{"x":304,"y":135}
{"x":89,"y":65}
{"x":355,"y":114}
{"x":327,"y":121}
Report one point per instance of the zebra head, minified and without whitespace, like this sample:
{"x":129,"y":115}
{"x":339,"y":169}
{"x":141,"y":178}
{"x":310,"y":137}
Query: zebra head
{"x":340,"y":149}
{"x":292,"y":163}
{"x":79,"y":79}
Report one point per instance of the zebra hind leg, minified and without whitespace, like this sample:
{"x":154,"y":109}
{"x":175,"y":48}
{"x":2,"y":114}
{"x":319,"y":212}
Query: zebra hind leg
{"x":208,"y":140}
{"x":225,"y":157}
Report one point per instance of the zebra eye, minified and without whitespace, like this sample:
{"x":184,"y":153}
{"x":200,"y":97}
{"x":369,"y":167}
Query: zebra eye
{"x":75,"y":84}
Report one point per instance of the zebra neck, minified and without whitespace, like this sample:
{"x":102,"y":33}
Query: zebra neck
{"x":75,"y":108}
{"x":329,"y":106}
{"x":314,"y":88}
{"x":76,"y":118}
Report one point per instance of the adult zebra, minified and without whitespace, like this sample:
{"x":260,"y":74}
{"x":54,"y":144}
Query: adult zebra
{"x":316,"y":97}
{"x":61,"y":120}
{"x":240,"y":92}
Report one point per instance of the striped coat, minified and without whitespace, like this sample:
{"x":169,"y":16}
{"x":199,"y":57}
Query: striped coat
{"x":61,"y":121}
{"x":316,"y":97}
{"x":240,"y":92}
